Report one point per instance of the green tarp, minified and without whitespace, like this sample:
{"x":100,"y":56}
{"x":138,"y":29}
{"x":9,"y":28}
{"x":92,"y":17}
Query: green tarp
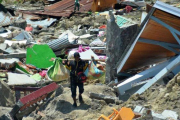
{"x":39,"y":56}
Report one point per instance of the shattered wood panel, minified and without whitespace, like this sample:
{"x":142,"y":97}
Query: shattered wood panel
{"x":146,"y":54}
{"x":170,"y":19}
{"x":154,"y":31}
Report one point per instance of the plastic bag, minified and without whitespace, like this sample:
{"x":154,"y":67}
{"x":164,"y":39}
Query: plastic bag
{"x":92,"y":72}
{"x":58,"y":72}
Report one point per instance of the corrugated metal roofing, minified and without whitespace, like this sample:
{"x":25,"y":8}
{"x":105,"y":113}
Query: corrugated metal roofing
{"x":5,"y":19}
{"x":63,"y":8}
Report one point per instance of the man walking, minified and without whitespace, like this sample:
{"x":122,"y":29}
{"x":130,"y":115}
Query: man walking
{"x":76,"y":5}
{"x":77,"y":66}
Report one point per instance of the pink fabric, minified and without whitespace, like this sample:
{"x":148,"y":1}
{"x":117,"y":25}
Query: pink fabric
{"x":43,"y":73}
{"x":128,"y":9}
{"x":102,"y":57}
{"x":29,"y":29}
{"x":79,"y":50}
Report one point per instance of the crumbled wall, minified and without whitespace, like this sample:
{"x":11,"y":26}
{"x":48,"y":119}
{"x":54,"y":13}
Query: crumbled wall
{"x":7,"y":96}
{"x":118,"y":39}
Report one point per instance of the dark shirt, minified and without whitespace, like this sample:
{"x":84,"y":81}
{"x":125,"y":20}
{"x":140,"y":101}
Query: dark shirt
{"x":76,"y":67}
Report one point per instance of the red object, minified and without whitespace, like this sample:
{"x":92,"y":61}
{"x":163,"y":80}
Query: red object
{"x":103,"y":27}
{"x":39,"y":94}
{"x":29,"y":28}
{"x":82,"y":77}
{"x":128,"y":9}
{"x":30,"y":66}
{"x":43,"y":73}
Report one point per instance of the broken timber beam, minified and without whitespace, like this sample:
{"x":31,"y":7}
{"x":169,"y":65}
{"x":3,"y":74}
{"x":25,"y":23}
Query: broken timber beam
{"x":15,"y":55}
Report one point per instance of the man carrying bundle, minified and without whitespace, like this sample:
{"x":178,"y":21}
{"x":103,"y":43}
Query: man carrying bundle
{"x":77,"y":77}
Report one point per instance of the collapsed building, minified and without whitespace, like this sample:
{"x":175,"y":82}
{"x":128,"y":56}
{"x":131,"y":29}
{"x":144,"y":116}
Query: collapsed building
{"x":151,"y":55}
{"x":136,"y":57}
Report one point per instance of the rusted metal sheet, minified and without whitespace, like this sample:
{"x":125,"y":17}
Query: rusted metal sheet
{"x":35,"y":95}
{"x":28,"y":103}
{"x":63,"y":8}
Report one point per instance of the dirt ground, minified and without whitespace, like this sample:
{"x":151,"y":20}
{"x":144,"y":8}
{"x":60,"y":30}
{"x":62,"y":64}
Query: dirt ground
{"x":60,"y":108}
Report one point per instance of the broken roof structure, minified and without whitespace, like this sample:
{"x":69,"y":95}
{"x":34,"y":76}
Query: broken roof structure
{"x":157,"y":41}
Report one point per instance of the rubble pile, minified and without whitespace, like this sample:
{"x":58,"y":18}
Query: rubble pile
{"x":158,"y":97}
{"x":121,"y":52}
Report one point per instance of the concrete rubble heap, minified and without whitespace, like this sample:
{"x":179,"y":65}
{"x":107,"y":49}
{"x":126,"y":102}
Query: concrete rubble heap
{"x":132,"y":48}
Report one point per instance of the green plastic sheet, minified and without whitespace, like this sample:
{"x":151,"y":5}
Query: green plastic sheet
{"x":39,"y":56}
{"x":36,"y":77}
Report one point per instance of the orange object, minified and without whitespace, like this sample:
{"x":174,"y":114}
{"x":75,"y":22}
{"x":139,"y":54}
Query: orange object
{"x":99,"y":5}
{"x":113,"y":116}
{"x":123,"y":114}
{"x":126,"y":114}
{"x":103,"y":27}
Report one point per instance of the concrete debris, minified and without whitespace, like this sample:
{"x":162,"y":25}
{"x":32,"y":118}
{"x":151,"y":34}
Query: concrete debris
{"x":107,"y":99}
{"x":149,"y":114}
{"x":136,"y":50}
{"x":158,"y":95}
{"x":4,"y":110}
{"x":59,"y":91}
{"x":19,"y":79}
{"x":8,"y":63}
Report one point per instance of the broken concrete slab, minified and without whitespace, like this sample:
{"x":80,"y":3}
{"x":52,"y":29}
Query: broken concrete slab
{"x":117,"y":42}
{"x":170,"y":114}
{"x":107,"y":99}
{"x":20,"y":79}
{"x":4,"y":110}
{"x":8,"y":63}
{"x":3,"y":46}
{"x":157,"y":116}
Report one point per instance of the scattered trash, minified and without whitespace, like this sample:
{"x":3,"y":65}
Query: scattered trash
{"x":132,"y":50}
{"x":44,"y":23}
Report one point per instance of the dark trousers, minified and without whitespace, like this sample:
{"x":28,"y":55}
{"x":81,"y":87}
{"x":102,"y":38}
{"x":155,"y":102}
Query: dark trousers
{"x":76,"y":5}
{"x":74,"y":84}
